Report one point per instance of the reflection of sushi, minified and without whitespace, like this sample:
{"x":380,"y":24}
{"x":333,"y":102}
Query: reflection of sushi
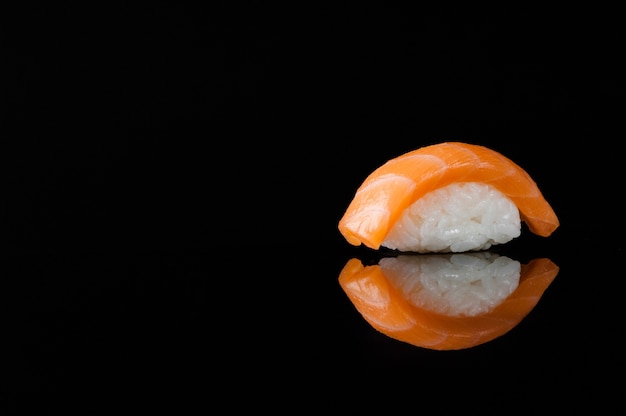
{"x":447,"y":197}
{"x":446,"y":301}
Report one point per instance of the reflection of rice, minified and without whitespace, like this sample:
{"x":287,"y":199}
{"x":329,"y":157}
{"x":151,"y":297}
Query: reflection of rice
{"x":466,"y":284}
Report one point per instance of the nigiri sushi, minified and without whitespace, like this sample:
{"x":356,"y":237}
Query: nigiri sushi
{"x":446,"y":197}
{"x":447,"y":301}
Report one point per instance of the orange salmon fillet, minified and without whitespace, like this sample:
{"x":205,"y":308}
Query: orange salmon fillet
{"x":394,"y":186}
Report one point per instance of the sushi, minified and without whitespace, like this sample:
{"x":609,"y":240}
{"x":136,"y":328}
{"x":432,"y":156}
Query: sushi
{"x":446,"y":301}
{"x":446,"y":197}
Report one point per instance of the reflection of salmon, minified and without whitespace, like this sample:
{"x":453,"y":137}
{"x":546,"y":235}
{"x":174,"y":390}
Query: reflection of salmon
{"x":394,"y":186}
{"x":384,"y":307}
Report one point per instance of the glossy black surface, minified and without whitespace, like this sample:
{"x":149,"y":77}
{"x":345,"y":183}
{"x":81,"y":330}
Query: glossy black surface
{"x":173,"y":178}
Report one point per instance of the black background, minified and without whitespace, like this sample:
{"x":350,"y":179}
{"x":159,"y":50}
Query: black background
{"x":173,"y":176}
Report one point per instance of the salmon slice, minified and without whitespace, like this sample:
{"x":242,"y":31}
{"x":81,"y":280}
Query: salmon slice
{"x":390,"y":311}
{"x":390,"y":189}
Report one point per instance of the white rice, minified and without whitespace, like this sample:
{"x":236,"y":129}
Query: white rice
{"x":466,"y":284}
{"x":466,"y":216}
